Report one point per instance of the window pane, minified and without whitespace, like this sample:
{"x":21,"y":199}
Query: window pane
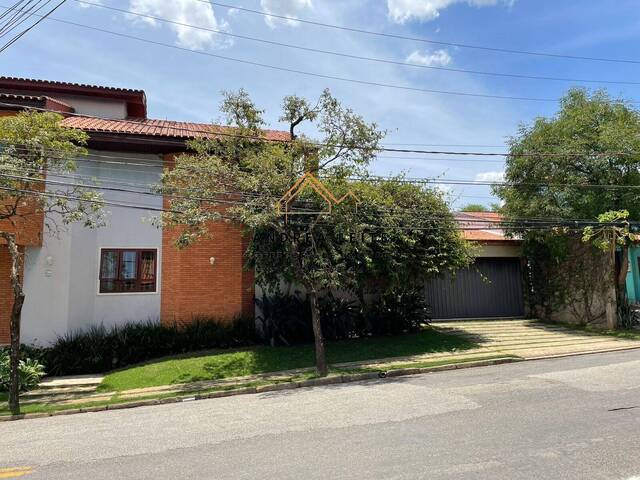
{"x":128,"y":268}
{"x":109,"y":264}
{"x":147,"y":265}
{"x":108,"y":286}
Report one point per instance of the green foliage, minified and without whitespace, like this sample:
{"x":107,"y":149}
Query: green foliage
{"x":33,"y":143}
{"x":628,"y":316}
{"x":30,"y":371}
{"x":98,"y":349}
{"x":383,"y":236}
{"x":286,"y":319}
{"x":593,"y":139}
{"x":399,"y":311}
{"x":474,"y":207}
{"x":614,"y":231}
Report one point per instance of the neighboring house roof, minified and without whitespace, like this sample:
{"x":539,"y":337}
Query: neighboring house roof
{"x":482,"y":227}
{"x":158,"y":128}
{"x":136,"y":100}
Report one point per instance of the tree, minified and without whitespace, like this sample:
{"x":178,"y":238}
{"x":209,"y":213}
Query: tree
{"x":34,"y":145}
{"x":553,"y":163}
{"x":474,"y":207}
{"x":391,"y":231}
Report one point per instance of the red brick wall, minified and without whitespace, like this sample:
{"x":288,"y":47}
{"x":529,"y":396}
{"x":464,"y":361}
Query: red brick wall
{"x":6,"y":294}
{"x":30,"y":226}
{"x":192,"y":287}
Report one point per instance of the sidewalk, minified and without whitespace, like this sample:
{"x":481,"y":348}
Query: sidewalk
{"x":499,"y":339}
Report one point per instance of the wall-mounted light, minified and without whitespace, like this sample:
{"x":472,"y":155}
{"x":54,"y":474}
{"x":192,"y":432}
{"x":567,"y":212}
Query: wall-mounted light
{"x":212,"y":260}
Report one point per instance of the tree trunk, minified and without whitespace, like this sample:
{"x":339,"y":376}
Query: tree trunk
{"x":321,"y":358}
{"x":14,"y":328}
{"x":621,"y":277}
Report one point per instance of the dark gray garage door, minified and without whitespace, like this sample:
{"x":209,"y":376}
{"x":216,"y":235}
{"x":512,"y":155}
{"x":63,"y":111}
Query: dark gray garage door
{"x":468,"y":295}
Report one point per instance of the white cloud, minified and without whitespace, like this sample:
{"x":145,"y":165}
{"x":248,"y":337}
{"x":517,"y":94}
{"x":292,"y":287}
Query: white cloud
{"x":287,"y":8}
{"x":439,"y":58}
{"x":191,"y":12}
{"x":489,"y":177}
{"x":401,"y":11}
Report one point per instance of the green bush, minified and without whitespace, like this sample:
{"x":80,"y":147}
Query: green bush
{"x":30,"y":372}
{"x":400,"y":311}
{"x":99,"y":349}
{"x":286,"y":319}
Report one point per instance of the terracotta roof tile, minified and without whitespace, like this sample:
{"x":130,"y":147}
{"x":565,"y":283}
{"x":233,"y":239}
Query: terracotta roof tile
{"x":157,"y":128}
{"x":52,"y":83}
{"x":482,"y":227}
{"x":43,"y":101}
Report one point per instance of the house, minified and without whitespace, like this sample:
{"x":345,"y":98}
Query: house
{"x":490,"y":288}
{"x":128,"y":270}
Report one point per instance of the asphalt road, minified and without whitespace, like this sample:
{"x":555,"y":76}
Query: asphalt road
{"x":571,"y":418}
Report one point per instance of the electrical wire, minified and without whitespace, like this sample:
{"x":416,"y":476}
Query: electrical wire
{"x":352,"y":56}
{"x":303,"y":72}
{"x":420,"y":39}
{"x":330,"y":145}
{"x":24,"y":32}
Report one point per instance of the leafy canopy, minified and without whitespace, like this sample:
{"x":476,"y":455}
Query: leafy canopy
{"x":391,"y":230}
{"x":593,"y":139}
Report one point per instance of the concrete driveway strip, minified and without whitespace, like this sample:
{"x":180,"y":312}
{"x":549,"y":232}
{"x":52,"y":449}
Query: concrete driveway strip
{"x":569,"y":418}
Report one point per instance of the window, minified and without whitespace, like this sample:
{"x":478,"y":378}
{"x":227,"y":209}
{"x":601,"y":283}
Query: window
{"x":127,"y":270}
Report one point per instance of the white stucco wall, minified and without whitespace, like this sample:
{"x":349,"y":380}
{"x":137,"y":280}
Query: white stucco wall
{"x":97,"y":107}
{"x":61,"y":277}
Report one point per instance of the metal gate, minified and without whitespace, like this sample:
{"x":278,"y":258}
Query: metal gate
{"x":491,"y":287}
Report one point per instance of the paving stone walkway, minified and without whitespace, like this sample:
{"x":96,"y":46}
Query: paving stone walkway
{"x":526,"y":339}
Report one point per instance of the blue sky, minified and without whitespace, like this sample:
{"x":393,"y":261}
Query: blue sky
{"x":187,"y":86}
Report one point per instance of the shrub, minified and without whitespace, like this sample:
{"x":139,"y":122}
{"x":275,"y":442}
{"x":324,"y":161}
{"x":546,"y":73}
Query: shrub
{"x":628,"y":316}
{"x":30,"y":372}
{"x":99,"y":349}
{"x":399,"y":311}
{"x":286,"y":319}
{"x":341,"y":318}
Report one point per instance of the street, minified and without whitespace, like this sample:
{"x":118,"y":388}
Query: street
{"x":567,"y":418}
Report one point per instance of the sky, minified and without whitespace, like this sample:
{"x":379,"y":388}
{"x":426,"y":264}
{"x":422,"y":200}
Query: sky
{"x":184,"y":85}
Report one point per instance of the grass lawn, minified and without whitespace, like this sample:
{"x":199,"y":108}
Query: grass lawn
{"x":225,"y":364}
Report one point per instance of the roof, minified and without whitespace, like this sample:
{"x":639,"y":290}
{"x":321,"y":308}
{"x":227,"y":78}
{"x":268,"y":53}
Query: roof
{"x":39,"y":101}
{"x":482,"y":227}
{"x":158,"y":128}
{"x":55,"y":83}
{"x":136,"y":100}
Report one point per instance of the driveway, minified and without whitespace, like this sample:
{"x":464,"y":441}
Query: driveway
{"x":571,"y":418}
{"x":531,"y":339}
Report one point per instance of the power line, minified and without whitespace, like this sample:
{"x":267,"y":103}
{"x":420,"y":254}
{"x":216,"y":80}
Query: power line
{"x":24,"y":32}
{"x":356,"y":57}
{"x":322,"y":144}
{"x":303,"y":72}
{"x":394,"y":211}
{"x":421,"y":39}
{"x":466,"y":182}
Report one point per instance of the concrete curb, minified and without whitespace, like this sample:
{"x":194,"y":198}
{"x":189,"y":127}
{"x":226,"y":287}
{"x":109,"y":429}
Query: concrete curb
{"x":332,"y":380}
